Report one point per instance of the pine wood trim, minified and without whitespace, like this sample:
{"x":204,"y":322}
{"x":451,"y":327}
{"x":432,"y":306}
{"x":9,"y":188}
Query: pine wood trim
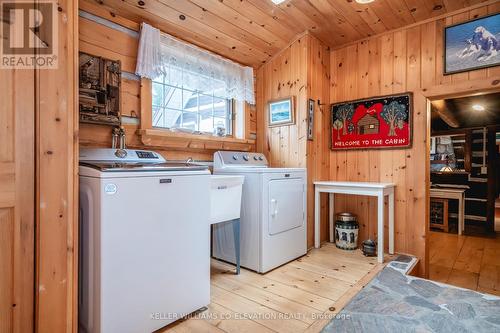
{"x":166,"y":139}
{"x":56,"y":285}
{"x":464,"y":88}
{"x":146,"y":104}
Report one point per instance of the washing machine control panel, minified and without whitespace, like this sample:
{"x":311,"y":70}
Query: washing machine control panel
{"x":239,"y":159}
{"x":112,"y":155}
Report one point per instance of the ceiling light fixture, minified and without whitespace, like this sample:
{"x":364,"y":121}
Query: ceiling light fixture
{"x":277,"y":2}
{"x":364,"y":1}
{"x":478,"y":107}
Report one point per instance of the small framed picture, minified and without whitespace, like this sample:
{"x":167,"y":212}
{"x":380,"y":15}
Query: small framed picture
{"x":472,"y":45}
{"x":281,"y":112}
{"x":310,"y":119}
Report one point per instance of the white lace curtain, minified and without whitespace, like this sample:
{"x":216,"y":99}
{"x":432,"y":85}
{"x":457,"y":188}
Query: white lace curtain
{"x":193,"y":68}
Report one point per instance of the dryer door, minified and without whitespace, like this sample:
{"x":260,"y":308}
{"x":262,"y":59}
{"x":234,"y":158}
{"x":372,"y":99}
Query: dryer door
{"x":286,"y":210}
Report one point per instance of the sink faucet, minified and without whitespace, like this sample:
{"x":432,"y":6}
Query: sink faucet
{"x":189,"y":160}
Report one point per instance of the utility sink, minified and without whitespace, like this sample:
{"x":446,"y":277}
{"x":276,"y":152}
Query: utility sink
{"x":225,"y":198}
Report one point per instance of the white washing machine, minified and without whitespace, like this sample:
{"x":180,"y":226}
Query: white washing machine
{"x":144,"y":240}
{"x":273,"y":212}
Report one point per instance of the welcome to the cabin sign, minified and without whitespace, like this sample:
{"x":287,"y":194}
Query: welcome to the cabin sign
{"x":381,"y":122}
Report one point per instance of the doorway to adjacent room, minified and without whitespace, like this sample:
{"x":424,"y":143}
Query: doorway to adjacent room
{"x":464,"y":246}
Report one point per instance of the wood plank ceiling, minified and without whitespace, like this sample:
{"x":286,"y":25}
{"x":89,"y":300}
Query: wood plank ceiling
{"x":252,"y":31}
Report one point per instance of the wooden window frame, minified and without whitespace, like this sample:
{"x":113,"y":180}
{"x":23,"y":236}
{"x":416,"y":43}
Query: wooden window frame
{"x":165,"y":138}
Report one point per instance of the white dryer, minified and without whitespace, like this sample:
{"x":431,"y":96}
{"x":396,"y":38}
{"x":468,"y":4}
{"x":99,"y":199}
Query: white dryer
{"x":273,"y":212}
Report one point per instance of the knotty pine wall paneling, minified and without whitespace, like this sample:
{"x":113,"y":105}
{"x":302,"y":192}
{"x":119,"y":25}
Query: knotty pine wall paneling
{"x":318,"y":162}
{"x":98,"y":39}
{"x":120,"y":43}
{"x":408,"y":59}
{"x":56,"y":242}
{"x":301,"y":70}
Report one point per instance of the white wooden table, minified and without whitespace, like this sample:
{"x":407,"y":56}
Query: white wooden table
{"x":453,"y":193}
{"x":379,"y":190}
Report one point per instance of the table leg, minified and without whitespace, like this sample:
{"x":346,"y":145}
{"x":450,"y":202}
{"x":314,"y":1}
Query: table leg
{"x":391,"y":223}
{"x":331,"y":212}
{"x":317,"y":208}
{"x":380,"y":228}
{"x":236,"y":234}
{"x":461,"y":217}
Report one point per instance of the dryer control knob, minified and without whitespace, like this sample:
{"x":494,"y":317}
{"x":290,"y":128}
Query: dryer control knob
{"x":256,"y":158}
{"x":235,"y":157}
{"x":260,"y":158}
{"x":245,"y":157}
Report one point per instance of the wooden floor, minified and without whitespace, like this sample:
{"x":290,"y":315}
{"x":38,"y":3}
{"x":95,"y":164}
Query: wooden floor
{"x":301,"y":296}
{"x":465,"y":261}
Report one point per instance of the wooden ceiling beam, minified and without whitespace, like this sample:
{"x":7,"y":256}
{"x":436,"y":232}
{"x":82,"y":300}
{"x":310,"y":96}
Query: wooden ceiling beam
{"x":442,"y":108}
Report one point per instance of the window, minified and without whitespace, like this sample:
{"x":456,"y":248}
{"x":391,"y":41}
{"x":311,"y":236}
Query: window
{"x":177,"y":107}
{"x":193,"y":89}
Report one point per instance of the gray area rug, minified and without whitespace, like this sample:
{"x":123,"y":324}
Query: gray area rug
{"x":395,"y":302}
